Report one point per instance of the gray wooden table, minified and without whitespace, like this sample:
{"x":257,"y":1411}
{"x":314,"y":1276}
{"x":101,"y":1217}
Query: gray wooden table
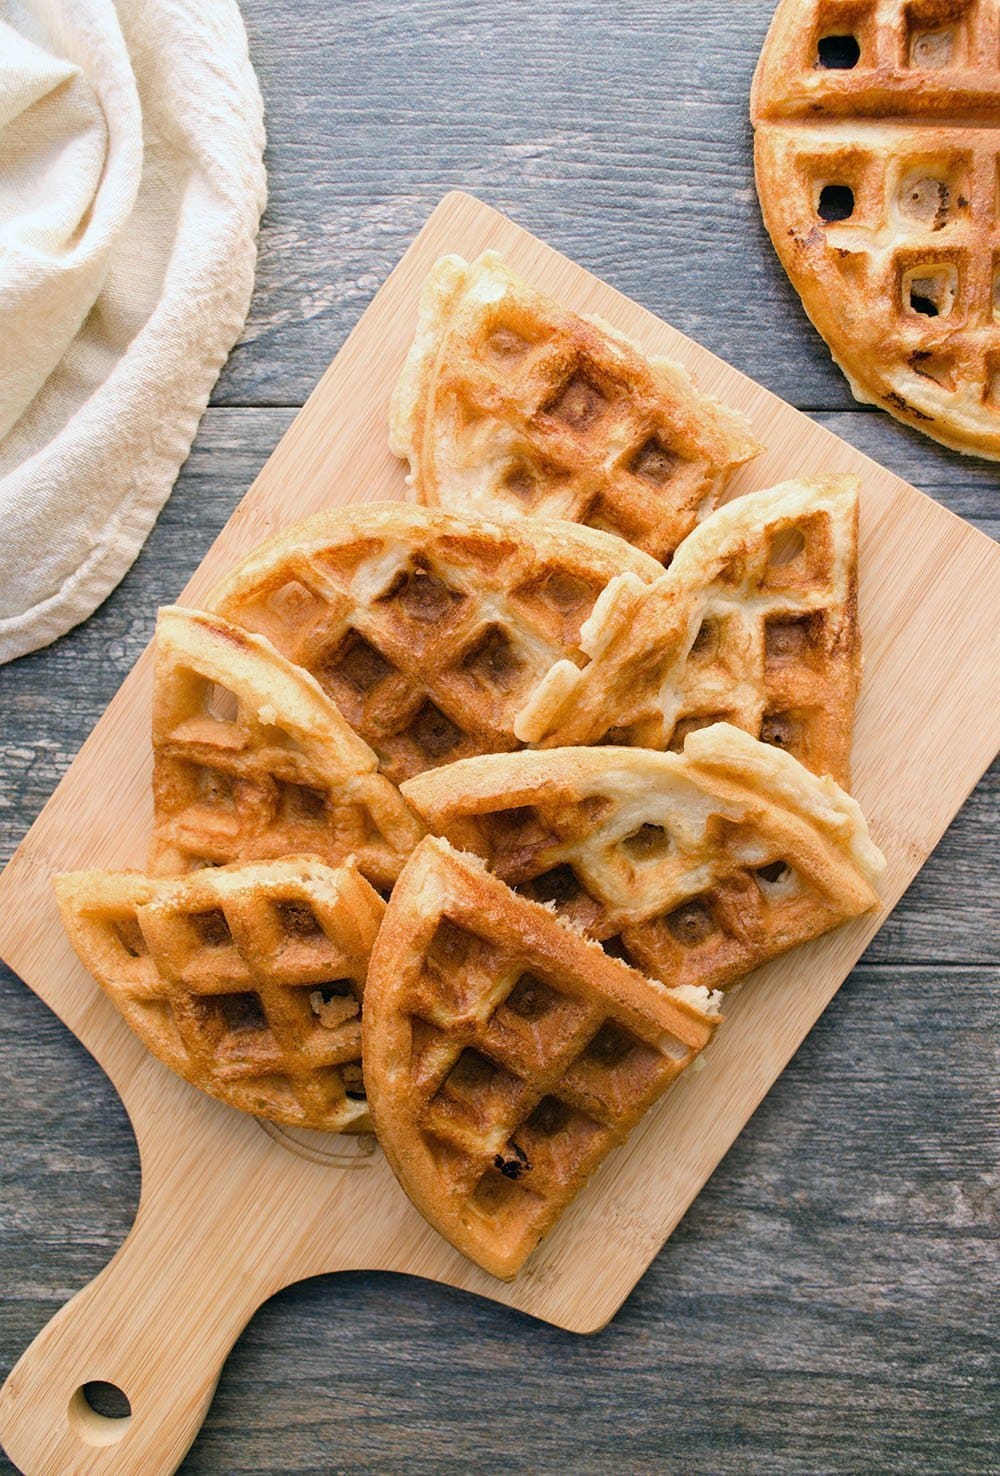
{"x":824,"y":1306}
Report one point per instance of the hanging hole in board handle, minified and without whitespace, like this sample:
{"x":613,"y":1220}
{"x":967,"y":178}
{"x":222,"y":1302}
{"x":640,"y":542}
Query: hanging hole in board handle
{"x":100,"y":1413}
{"x":118,"y":1383}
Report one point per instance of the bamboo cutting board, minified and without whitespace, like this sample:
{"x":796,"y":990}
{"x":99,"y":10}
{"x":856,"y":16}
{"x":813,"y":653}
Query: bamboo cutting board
{"x":233,"y":1209}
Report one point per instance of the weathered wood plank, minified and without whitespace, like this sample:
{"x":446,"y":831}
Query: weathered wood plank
{"x":967,"y":485}
{"x":619,"y":134}
{"x":821,"y":1307}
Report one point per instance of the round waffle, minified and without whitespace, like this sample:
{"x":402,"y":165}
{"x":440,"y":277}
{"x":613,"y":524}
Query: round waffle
{"x":876,"y":169}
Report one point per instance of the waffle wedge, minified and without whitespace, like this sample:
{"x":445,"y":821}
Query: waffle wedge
{"x":695,"y":867}
{"x":251,"y":760}
{"x":876,"y":163}
{"x":245,"y":980}
{"x":505,"y":1055}
{"x":508,"y":403}
{"x":755,"y":624}
{"x":428,"y":630}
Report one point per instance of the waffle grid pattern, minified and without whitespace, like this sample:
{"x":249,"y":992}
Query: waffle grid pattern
{"x":914,"y":230}
{"x":524,"y":1082}
{"x":684,"y":872}
{"x":247,"y":981}
{"x":528,"y":408}
{"x":251,"y":761}
{"x":428,"y":638}
{"x":755,"y":625}
{"x":715,"y":919}
{"x":886,"y":56}
{"x":524,"y":1069}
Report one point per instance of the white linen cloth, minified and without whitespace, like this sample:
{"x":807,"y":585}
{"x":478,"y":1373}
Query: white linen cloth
{"x":131,"y":186}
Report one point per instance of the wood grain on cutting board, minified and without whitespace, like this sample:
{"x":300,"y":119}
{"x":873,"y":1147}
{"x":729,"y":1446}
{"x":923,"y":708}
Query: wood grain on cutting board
{"x":231,"y":1210}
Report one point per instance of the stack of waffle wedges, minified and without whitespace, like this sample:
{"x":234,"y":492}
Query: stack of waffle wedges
{"x":468,"y":810}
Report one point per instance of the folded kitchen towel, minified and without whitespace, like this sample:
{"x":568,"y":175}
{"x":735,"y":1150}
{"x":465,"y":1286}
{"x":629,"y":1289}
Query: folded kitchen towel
{"x":131,"y":186}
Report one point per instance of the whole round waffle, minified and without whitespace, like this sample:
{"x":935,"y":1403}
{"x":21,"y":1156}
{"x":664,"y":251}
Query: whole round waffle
{"x":876,"y":167}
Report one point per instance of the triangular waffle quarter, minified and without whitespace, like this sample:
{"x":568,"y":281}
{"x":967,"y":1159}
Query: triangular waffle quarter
{"x":246,"y":980}
{"x":252,"y":760}
{"x":755,"y":624}
{"x":510,"y":404}
{"x":428,"y":630}
{"x":505,"y":1054}
{"x":695,"y":867}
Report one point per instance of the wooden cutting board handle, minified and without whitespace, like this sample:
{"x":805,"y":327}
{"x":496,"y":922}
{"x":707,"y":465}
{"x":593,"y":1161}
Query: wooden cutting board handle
{"x":158,"y":1322}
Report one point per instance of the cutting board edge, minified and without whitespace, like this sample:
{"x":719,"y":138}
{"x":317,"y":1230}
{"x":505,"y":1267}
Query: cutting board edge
{"x":496,"y":217}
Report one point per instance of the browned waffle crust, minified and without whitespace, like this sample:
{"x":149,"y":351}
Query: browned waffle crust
{"x":427,"y":629}
{"x":876,"y":168}
{"x":510,"y":404}
{"x":506,"y":1055}
{"x":251,"y":760}
{"x":695,"y":867}
{"x":245,"y":980}
{"x":755,"y":624}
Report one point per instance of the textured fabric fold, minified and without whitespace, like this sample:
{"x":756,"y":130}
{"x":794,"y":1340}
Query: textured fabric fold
{"x":131,"y":186}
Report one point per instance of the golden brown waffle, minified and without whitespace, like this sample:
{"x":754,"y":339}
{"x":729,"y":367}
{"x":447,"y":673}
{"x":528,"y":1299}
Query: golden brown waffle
{"x":694,"y":867}
{"x":245,"y":980}
{"x":876,"y":168}
{"x":505,"y":1055}
{"x":508,"y":403}
{"x":755,"y":624}
{"x":428,"y":630}
{"x":252,"y":760}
